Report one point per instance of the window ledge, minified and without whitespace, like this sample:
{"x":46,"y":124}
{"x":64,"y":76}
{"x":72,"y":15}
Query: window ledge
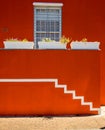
{"x":48,"y":4}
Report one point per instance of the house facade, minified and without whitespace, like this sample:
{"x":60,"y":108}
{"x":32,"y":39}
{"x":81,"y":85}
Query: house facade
{"x":80,"y":18}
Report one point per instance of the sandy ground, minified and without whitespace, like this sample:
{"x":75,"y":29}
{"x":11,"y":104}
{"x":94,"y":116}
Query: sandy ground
{"x":54,"y":123}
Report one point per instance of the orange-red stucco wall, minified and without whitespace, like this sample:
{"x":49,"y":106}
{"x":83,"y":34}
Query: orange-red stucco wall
{"x":62,"y":85}
{"x":81,"y":18}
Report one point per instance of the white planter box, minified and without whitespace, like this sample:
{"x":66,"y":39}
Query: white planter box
{"x":51,"y":45}
{"x":85,"y":45}
{"x":18,"y":45}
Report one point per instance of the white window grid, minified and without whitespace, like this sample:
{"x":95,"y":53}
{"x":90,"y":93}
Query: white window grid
{"x":47,"y":23}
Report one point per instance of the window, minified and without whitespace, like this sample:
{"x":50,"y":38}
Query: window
{"x":47,"y":21}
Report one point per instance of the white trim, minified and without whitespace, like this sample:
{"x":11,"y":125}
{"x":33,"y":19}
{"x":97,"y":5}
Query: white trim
{"x":47,"y":4}
{"x":27,"y":80}
{"x":90,"y":104}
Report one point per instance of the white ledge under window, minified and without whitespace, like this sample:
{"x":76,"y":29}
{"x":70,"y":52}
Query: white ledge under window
{"x":48,"y":4}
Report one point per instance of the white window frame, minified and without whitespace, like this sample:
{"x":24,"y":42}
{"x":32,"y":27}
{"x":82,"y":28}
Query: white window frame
{"x":45,"y":5}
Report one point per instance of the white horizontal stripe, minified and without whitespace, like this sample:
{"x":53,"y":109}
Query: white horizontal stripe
{"x":28,"y":80}
{"x":48,"y":4}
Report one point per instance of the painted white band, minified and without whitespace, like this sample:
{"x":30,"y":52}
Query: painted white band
{"x":48,"y":4}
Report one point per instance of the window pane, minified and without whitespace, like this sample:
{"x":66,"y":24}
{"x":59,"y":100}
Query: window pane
{"x":43,"y":26}
{"x":56,"y":36}
{"x":47,"y":23}
{"x":37,"y":25}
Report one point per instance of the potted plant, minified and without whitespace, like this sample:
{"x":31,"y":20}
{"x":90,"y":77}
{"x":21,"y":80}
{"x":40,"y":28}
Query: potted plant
{"x":18,"y":44}
{"x":47,"y":43}
{"x":66,"y":41}
{"x":85,"y":45}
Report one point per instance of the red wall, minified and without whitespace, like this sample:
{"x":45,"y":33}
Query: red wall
{"x":48,"y":98}
{"x":81,"y":18}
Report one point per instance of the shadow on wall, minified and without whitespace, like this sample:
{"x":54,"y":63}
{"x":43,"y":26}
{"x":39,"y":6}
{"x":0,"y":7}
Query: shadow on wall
{"x":102,"y":128}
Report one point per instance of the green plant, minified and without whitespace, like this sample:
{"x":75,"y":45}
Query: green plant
{"x":65,"y":40}
{"x":16,"y":40}
{"x":47,"y":40}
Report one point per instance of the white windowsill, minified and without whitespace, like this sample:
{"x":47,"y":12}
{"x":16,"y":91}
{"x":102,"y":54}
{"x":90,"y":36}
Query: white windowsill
{"x":48,"y":4}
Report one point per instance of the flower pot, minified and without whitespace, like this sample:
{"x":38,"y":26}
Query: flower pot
{"x":85,"y":45}
{"x":51,"y":45}
{"x":18,"y":45}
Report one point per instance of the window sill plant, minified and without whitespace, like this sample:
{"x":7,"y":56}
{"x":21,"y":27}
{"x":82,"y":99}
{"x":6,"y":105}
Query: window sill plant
{"x":18,"y":44}
{"x":47,"y":43}
{"x":85,"y":45}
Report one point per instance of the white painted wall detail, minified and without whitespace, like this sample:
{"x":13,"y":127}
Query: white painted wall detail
{"x":90,"y":104}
